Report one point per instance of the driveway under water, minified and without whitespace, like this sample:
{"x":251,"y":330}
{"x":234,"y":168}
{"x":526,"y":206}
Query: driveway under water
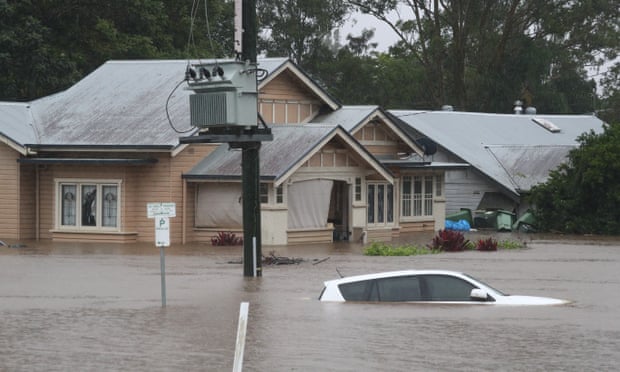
{"x":98,"y":307}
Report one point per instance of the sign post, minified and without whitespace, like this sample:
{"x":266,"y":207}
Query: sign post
{"x":162,"y":239}
{"x":161,"y":213}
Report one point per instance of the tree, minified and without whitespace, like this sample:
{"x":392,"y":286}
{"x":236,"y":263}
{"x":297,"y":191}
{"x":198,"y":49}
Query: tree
{"x":484,"y":54}
{"x":28,"y":61}
{"x":582,"y":195}
{"x":298,"y":29}
{"x":46,"y":46}
{"x":610,"y":100}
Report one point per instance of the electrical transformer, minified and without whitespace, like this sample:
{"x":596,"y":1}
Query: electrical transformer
{"x":225,"y":94}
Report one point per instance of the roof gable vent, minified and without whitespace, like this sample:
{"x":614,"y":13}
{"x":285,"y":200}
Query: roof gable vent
{"x":548,"y":125}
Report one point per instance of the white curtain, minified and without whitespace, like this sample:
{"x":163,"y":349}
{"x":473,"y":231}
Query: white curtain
{"x":308,"y":203}
{"x":219,"y":205}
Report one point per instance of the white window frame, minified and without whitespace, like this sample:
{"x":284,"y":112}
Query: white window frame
{"x":79,"y":183}
{"x":358,"y":190}
{"x":420,"y":204}
{"x":275,"y":195}
{"x":388,"y":213}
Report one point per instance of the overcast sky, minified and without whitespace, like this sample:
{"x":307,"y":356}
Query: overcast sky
{"x":384,"y":35}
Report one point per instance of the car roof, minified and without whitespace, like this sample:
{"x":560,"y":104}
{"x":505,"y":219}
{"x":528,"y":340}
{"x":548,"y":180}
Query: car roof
{"x":388,"y":274}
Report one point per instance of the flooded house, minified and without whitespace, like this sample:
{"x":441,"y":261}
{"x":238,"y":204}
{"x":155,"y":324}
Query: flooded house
{"x":506,"y":154}
{"x":82,"y":164}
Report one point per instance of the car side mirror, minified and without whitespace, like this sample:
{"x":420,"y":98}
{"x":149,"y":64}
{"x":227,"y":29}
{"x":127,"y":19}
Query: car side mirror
{"x":478,"y":294}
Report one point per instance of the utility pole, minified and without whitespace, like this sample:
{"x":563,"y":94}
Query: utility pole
{"x":241,"y":136}
{"x":250,"y":161}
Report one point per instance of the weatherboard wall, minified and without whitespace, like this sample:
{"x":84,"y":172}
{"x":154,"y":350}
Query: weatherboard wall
{"x":9,"y":197}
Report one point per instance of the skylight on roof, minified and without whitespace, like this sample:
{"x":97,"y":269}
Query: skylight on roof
{"x":548,"y":125}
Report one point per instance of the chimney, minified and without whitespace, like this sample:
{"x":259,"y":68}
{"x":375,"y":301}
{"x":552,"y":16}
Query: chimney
{"x":518,"y":109}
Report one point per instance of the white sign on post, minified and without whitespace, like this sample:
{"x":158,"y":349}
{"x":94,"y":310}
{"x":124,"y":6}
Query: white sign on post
{"x":162,"y":231}
{"x":162,"y":212}
{"x":161,"y":209}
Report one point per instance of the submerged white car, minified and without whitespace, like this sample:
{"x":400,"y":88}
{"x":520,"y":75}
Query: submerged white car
{"x":423,"y":286}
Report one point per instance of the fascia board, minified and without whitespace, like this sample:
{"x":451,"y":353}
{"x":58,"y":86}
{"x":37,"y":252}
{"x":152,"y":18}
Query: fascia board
{"x":345,"y":136}
{"x":288,"y":65}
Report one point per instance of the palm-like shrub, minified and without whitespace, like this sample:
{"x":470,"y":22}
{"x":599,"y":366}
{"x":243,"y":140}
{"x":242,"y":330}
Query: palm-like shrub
{"x":226,"y":238}
{"x":488,"y":244}
{"x":449,"y":241}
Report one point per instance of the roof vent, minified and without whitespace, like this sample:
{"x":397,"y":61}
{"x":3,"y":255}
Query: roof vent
{"x":531,"y":110}
{"x":546,"y":124}
{"x":518,"y":107}
{"x":447,"y":108}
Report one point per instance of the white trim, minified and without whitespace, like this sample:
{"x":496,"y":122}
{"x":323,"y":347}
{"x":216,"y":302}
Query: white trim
{"x":379,"y":115}
{"x":286,"y":112}
{"x":423,"y":199}
{"x":366,"y":158}
{"x":12,"y":144}
{"x":385,"y":222}
{"x":288,"y":65}
{"x":99,"y":183}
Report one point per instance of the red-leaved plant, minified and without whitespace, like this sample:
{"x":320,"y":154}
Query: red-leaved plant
{"x":448,"y":241}
{"x":226,"y":238}
{"x":488,"y":244}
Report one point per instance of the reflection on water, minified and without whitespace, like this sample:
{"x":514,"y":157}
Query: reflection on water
{"x":98,"y":307}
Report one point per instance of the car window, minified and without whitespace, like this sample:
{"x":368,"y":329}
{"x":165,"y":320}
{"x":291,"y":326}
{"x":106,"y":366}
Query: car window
{"x":356,"y":291}
{"x":447,"y":288}
{"x":402,"y":288}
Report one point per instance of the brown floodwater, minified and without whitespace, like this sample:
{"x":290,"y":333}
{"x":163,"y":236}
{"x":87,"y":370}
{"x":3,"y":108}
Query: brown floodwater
{"x":97,"y":307}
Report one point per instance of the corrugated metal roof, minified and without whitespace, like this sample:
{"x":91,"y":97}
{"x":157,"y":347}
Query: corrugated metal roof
{"x":469,"y":135}
{"x":530,"y":165}
{"x":290,"y":146}
{"x":16,"y":123}
{"x":122,"y":103}
{"x":290,"y":143}
{"x":272,"y":63}
{"x":347,"y":117}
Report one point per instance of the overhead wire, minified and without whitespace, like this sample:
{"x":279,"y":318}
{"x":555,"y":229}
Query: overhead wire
{"x":168,"y":112}
{"x":191,"y":46}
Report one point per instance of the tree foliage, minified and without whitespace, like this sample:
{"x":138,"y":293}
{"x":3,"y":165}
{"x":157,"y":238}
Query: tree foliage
{"x":481,"y":55}
{"x":298,"y":29}
{"x":476,"y":55}
{"x":582,"y":195}
{"x":47,"y":45}
{"x":609,"y":109}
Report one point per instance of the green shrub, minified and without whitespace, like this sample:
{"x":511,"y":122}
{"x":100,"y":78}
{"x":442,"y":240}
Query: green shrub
{"x":382,"y":249}
{"x":509,"y":244}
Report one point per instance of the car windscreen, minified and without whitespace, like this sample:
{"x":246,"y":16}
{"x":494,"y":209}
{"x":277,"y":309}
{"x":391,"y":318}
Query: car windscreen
{"x":481,"y":282}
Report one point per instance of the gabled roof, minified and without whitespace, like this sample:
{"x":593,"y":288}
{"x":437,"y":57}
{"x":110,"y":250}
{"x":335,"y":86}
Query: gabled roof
{"x":353,"y":118}
{"x":291,"y":147}
{"x":503,"y":146}
{"x":348,"y":117}
{"x":275,"y":68}
{"x":122,"y":104}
